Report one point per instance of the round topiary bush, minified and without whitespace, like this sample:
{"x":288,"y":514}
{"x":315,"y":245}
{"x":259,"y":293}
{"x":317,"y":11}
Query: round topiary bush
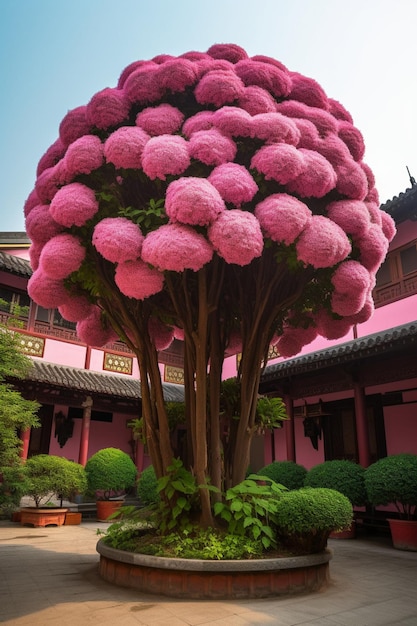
{"x":47,"y":476}
{"x":287,"y":473}
{"x":110,"y":470}
{"x":147,"y":487}
{"x":393,"y":479}
{"x":346,"y":477}
{"x":306,"y":517}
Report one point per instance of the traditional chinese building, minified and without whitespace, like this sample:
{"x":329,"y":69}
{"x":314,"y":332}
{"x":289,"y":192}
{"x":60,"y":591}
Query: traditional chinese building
{"x":354,"y":398}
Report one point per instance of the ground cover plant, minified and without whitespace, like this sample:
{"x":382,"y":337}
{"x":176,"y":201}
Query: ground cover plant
{"x":216,"y":199}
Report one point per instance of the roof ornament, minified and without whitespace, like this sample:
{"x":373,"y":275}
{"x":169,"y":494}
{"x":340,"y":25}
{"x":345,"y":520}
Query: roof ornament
{"x":412,"y":179}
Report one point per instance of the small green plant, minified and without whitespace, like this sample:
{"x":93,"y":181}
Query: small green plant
{"x":249,"y":508}
{"x":129,"y":525}
{"x":306,"y":517}
{"x":287,"y":473}
{"x":110,"y":470}
{"x":209,"y":544}
{"x":393,"y":480}
{"x":270,"y":413}
{"x":346,"y":477}
{"x":46,"y":476}
{"x":179,"y":498}
{"x":148,"y":487}
{"x":135,"y":532}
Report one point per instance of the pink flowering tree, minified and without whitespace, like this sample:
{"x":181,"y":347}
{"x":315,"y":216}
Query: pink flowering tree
{"x":217,"y":198}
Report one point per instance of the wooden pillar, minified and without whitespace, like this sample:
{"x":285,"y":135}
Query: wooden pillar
{"x":25,"y":437}
{"x":361,"y":426}
{"x":289,"y":428}
{"x":85,"y":430}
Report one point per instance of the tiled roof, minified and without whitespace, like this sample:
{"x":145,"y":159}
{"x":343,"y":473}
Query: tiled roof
{"x":14,"y":239}
{"x":404,"y":206}
{"x":360,"y":348}
{"x":15,"y":265}
{"x":94,"y":382}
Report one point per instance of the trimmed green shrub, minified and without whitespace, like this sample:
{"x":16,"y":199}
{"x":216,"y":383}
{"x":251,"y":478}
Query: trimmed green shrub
{"x":344,"y":476}
{"x":287,"y":473}
{"x":110,"y":470}
{"x":12,"y":488}
{"x":306,"y":517}
{"x":148,"y":487}
{"x":47,"y":476}
{"x":393,"y":480}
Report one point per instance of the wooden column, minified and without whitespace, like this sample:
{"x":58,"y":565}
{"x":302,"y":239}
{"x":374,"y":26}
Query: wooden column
{"x":361,"y":426}
{"x":289,"y":428}
{"x":25,"y":437}
{"x":85,"y":430}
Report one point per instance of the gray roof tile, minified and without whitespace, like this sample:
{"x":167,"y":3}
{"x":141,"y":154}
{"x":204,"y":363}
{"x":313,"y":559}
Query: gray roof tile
{"x":95,"y":382}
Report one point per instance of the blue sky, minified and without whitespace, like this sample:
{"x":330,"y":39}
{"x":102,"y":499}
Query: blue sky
{"x":55,"y":54}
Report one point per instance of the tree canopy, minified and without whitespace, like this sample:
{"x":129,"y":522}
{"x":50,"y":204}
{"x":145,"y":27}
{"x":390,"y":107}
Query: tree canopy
{"x":218,"y":199}
{"x":16,"y":413}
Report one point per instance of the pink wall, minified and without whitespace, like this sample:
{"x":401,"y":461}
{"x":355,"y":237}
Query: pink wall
{"x":102,"y":435}
{"x":406,"y":231}
{"x":305,"y":453}
{"x":63,"y":353}
{"x":401,"y":428}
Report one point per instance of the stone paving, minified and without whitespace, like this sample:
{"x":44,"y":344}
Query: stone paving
{"x":48,"y":577}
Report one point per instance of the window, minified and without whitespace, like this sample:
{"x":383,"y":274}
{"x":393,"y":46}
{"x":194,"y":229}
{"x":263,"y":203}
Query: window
{"x":14,"y":302}
{"x":397,"y":276}
{"x":409,"y":259}
{"x":61,"y":322}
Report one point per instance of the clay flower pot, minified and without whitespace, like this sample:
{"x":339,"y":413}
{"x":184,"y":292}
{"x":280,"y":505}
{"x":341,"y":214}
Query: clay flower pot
{"x":404,"y":534}
{"x":105,"y":508}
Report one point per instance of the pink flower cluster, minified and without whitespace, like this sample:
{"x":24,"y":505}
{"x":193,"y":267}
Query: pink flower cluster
{"x":242,"y":151}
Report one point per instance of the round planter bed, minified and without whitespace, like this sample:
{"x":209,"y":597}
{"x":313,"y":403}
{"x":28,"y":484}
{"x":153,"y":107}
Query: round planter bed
{"x":214,"y":580}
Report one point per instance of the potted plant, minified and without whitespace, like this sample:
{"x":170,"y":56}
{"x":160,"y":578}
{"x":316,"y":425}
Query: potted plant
{"x":306,"y":517}
{"x":110,"y":472}
{"x":47,"y":477}
{"x":287,"y":473}
{"x":393,"y":480}
{"x":344,"y":476}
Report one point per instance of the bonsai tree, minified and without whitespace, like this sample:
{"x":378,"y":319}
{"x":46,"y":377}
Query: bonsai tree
{"x":393,"y":480}
{"x":47,"y":476}
{"x":287,"y":473}
{"x":344,"y":476}
{"x":306,"y":517}
{"x":218,"y":200}
{"x":110,"y":471}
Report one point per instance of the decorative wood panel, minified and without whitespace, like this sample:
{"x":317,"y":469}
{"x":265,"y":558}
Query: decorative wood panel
{"x":174,"y":375}
{"x":33,"y":346}
{"x":117,"y":363}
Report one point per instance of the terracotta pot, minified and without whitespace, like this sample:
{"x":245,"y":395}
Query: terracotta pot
{"x":404,"y":534}
{"x":72,"y":518}
{"x":42,"y":517}
{"x":106,"y":507}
